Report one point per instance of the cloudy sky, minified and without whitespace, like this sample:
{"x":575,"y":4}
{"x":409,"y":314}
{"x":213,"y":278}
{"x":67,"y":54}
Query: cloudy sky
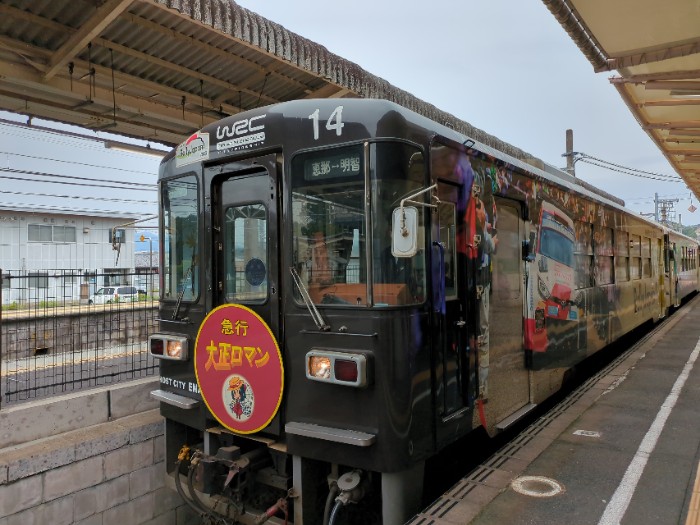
{"x":504,"y":66}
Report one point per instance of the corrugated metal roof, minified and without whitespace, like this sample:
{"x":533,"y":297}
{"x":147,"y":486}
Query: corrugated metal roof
{"x":161,"y":69}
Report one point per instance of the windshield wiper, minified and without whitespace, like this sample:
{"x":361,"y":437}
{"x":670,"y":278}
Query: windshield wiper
{"x":184,"y":285}
{"x":315,"y":314}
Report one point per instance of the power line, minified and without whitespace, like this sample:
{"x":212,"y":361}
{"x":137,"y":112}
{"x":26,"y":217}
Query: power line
{"x":74,"y":163}
{"x":106,"y":199}
{"x":636,"y":170}
{"x":626,"y":170}
{"x":131,"y":186}
{"x":647,"y":200}
{"x":633,"y":172}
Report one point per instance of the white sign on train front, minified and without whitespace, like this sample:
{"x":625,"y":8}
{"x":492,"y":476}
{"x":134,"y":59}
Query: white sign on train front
{"x":194,"y":149}
{"x":241,"y":134}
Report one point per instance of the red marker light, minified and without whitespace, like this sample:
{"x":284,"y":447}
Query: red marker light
{"x":346,"y":370}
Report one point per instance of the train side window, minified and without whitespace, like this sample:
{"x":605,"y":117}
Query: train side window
{"x":603,"y":238}
{"x":180,"y":218}
{"x":635,"y":257}
{"x":621,"y":269}
{"x":622,"y":250}
{"x":622,"y":243}
{"x":399,"y":171}
{"x":448,"y":222}
{"x":646,"y":257}
{"x":584,"y":254}
{"x":604,"y":267}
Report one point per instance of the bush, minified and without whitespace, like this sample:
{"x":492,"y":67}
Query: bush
{"x":48,"y":304}
{"x":12,"y":306}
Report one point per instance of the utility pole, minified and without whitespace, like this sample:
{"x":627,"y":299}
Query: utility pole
{"x":570,"y":169}
{"x":656,"y":207}
{"x":665,"y":214}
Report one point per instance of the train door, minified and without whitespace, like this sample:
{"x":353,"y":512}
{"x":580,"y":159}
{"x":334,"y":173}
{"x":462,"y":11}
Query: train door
{"x":662,"y":265}
{"x":671,"y":270}
{"x":244,"y":225}
{"x":506,"y":385}
{"x":455,"y":387}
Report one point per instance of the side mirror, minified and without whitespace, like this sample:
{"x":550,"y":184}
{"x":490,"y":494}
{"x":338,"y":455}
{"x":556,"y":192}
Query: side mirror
{"x":404,"y":232}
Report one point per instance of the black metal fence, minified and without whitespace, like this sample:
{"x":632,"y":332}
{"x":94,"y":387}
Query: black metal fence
{"x":65,"y":330}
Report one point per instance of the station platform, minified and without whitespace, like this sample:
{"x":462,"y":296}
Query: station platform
{"x":624,"y":448}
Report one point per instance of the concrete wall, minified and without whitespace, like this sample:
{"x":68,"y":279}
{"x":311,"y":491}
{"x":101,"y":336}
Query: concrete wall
{"x":93,"y":458}
{"x":75,"y":329}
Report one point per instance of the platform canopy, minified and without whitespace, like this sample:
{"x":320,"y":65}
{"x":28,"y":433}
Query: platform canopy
{"x":161,"y":69}
{"x":654,"y":48}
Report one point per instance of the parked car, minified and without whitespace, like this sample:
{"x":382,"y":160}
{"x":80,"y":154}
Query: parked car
{"x":114,"y":294}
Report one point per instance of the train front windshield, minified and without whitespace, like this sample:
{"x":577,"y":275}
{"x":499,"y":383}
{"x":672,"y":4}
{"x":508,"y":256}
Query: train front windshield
{"x":342,"y":238}
{"x":179,"y":199}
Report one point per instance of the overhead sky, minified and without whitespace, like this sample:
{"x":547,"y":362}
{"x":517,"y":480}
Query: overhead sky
{"x":504,"y":66}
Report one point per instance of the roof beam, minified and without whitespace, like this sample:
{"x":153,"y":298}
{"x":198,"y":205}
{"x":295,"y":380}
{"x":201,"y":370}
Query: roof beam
{"x":673,"y":125}
{"x":103,"y":16}
{"x":52,"y":110}
{"x":684,"y":133}
{"x":672,"y":85}
{"x":134,"y":54}
{"x":183,"y":70}
{"x":683,"y":141}
{"x":28,"y":85}
{"x":329,"y":91}
{"x":654,"y":55}
{"x":82,"y":68}
{"x":666,"y":75}
{"x":694,"y":152}
{"x":670,"y":102}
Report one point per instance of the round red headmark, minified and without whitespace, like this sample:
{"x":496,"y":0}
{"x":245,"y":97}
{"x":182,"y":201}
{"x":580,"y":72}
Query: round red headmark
{"x":239,"y":368}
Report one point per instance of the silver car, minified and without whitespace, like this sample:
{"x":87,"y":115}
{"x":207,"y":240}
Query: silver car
{"x":114,"y":294}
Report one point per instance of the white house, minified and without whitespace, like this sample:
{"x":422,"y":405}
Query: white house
{"x":53,"y":254}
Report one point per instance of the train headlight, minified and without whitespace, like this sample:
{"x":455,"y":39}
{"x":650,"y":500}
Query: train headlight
{"x":340,"y":368}
{"x":319,"y":367}
{"x":542,"y":288}
{"x":168,"y":347}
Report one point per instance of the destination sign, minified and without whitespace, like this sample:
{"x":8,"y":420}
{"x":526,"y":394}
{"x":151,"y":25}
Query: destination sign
{"x":332,"y":166}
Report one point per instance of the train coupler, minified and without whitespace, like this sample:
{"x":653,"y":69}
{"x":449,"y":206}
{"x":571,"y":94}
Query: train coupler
{"x":280,"y":506}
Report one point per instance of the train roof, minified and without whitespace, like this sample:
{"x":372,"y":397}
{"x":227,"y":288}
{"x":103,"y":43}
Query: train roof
{"x":379,"y":116}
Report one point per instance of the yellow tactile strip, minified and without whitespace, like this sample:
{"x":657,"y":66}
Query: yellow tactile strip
{"x":694,"y":510}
